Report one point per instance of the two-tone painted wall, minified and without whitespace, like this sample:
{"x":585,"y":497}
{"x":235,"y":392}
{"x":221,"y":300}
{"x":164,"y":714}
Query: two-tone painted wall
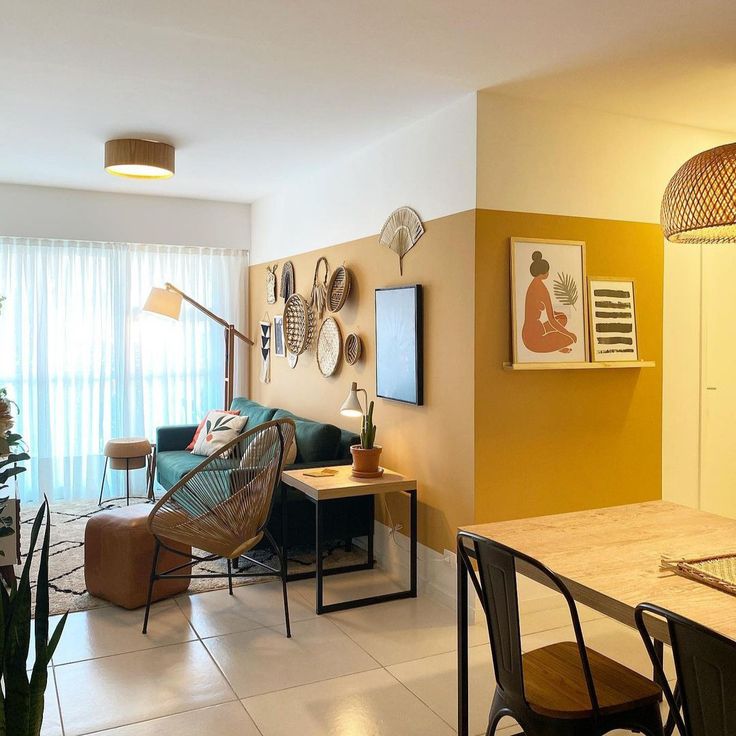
{"x":490,"y":444}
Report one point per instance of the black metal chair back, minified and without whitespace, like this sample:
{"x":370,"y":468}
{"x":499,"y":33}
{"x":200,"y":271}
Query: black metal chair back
{"x":705,"y":663}
{"x":498,"y":594}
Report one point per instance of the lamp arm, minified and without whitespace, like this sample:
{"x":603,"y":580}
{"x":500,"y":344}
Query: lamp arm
{"x":365,"y":393}
{"x":210,"y":314}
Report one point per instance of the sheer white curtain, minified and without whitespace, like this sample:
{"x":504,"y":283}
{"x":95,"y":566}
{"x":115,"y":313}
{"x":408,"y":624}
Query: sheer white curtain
{"x":84,"y":362}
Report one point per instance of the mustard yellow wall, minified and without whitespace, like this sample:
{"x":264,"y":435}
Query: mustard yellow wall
{"x":434,"y":442}
{"x":555,"y":441}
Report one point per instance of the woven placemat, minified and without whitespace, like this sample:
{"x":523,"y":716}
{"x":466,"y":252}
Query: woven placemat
{"x":718,"y":572}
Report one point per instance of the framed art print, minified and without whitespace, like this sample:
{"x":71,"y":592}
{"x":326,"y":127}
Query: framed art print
{"x":279,"y":345}
{"x":614,"y":335}
{"x":399,"y":359}
{"x":548,"y":301}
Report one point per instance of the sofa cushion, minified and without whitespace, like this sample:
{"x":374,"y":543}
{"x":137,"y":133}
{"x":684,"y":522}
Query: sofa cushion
{"x":173,"y":465}
{"x":256,"y":413}
{"x":315,"y":441}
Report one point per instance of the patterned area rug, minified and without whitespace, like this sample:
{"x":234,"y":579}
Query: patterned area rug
{"x":66,"y":557}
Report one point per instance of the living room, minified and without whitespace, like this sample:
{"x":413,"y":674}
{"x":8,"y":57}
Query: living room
{"x":423,"y":266}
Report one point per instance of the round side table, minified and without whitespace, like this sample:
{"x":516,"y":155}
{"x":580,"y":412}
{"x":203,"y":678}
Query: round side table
{"x":130,"y":453}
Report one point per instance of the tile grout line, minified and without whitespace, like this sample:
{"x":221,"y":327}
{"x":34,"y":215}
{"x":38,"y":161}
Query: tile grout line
{"x":58,"y":703}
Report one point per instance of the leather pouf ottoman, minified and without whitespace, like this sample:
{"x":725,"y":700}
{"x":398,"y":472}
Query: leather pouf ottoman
{"x":118,"y":554}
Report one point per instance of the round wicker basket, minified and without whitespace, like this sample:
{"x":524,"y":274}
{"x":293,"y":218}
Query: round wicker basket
{"x":338,"y":289}
{"x":298,"y":324}
{"x":329,"y":347}
{"x":353,"y":348}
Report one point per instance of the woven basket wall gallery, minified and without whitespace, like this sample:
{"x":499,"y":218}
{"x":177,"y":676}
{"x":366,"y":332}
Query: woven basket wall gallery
{"x":306,"y":322}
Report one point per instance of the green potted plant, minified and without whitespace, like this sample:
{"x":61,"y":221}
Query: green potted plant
{"x":21,"y":709}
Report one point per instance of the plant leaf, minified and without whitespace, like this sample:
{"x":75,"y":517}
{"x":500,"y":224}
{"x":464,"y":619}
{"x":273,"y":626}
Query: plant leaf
{"x":566,"y":290}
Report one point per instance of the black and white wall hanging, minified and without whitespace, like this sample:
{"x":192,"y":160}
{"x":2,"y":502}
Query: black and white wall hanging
{"x":613,"y":327}
{"x":287,"y":280}
{"x":265,"y":337}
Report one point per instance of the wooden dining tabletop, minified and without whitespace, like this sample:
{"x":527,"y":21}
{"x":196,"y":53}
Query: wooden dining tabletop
{"x":610,"y":558}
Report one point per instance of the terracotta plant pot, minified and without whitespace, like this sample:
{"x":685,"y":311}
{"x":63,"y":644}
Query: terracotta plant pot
{"x":365,"y":462}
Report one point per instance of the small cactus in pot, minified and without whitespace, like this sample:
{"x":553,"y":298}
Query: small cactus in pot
{"x":367,"y":453}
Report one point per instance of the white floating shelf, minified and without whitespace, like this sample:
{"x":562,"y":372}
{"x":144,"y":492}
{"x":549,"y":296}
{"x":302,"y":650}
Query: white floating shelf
{"x":578,"y":366}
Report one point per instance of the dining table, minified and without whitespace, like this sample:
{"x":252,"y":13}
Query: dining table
{"x":611,"y":560}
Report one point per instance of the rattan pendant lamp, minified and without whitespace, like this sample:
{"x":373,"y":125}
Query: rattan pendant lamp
{"x":699,"y":204}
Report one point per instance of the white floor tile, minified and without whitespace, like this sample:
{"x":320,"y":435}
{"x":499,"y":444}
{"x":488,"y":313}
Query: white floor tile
{"x":403,"y":630}
{"x":264,"y":660}
{"x":359,"y":584}
{"x":366,"y":704}
{"x":216,"y":613}
{"x":228,"y":719}
{"x":102,"y":632}
{"x":434,"y":681}
{"x":113,"y":691}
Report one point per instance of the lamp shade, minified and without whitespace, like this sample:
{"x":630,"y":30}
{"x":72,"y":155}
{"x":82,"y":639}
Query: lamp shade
{"x":351,"y":406}
{"x":163,"y":301}
{"x":136,"y":158}
{"x":699,"y":204}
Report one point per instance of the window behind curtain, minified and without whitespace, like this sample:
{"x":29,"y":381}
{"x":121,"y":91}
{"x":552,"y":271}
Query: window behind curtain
{"x":84,"y":362}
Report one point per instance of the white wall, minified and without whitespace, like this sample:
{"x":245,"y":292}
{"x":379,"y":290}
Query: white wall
{"x":429,"y":165}
{"x":557,"y":159}
{"x":46,"y":212}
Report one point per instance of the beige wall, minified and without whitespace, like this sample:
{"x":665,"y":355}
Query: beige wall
{"x":433,"y":442}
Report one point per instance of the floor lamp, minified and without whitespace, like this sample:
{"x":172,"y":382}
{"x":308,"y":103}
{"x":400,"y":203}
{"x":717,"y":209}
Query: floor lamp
{"x":167,"y":301}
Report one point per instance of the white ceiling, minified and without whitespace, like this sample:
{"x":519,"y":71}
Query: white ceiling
{"x":254,"y":91}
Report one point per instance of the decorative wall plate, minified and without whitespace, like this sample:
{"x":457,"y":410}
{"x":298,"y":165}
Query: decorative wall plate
{"x":298,"y":324}
{"x":338,"y":289}
{"x":353,"y":348}
{"x":329,"y":347}
{"x":401,"y":232}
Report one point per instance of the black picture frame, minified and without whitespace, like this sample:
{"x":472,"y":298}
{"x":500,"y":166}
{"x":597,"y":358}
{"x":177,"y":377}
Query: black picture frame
{"x":399,"y":328}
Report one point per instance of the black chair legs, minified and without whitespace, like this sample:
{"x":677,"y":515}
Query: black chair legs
{"x":230,"y":576}
{"x":150,"y":586}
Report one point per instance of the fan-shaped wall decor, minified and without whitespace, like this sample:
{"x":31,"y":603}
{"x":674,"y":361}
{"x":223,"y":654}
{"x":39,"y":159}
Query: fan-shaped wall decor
{"x":329,"y":347}
{"x":298,"y":324}
{"x":287,"y":280}
{"x":319,"y":289}
{"x":291,"y":359}
{"x":338,"y":289}
{"x":353,"y":348}
{"x":401,"y":232}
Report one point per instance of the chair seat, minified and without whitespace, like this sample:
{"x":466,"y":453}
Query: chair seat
{"x":554,"y":684}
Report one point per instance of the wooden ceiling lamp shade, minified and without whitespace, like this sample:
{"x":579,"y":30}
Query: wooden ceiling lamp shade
{"x":699,"y":204}
{"x":136,"y":158}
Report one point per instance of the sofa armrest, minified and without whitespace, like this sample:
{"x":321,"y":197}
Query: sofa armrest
{"x":175,"y":437}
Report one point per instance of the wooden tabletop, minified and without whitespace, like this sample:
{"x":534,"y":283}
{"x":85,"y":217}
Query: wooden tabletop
{"x":344,"y":485}
{"x":610,"y":558}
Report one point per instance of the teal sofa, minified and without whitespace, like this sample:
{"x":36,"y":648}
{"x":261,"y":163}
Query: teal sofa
{"x":318,"y":445}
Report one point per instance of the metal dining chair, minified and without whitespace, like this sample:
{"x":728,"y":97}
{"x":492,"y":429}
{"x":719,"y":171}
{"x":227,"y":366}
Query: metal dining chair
{"x":705,"y":662}
{"x":223,"y":506}
{"x":563,"y":689}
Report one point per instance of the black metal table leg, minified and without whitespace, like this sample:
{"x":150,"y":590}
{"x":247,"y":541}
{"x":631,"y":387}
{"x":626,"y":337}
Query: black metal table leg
{"x":320,"y":573}
{"x":462,"y":646}
{"x":371,"y":530}
{"x":318,"y":557}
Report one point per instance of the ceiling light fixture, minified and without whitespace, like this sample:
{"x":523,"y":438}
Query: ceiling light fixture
{"x":699,"y":204}
{"x":136,"y":158}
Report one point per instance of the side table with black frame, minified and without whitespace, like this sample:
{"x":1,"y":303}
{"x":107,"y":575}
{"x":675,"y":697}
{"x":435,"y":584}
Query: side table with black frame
{"x":323,"y":489}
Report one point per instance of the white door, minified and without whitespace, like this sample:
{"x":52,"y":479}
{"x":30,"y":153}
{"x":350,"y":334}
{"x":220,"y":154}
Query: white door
{"x":718,"y":400}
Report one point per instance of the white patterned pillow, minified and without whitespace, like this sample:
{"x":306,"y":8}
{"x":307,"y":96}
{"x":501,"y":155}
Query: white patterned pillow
{"x":219,"y":428}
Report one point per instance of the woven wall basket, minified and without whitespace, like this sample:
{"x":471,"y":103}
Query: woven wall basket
{"x":353,"y":348}
{"x":329,"y":347}
{"x":287,"y":280}
{"x":298,"y":324}
{"x":338,"y":289}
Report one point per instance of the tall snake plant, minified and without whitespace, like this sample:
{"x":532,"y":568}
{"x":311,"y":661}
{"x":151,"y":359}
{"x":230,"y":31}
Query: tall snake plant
{"x":21,"y":711}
